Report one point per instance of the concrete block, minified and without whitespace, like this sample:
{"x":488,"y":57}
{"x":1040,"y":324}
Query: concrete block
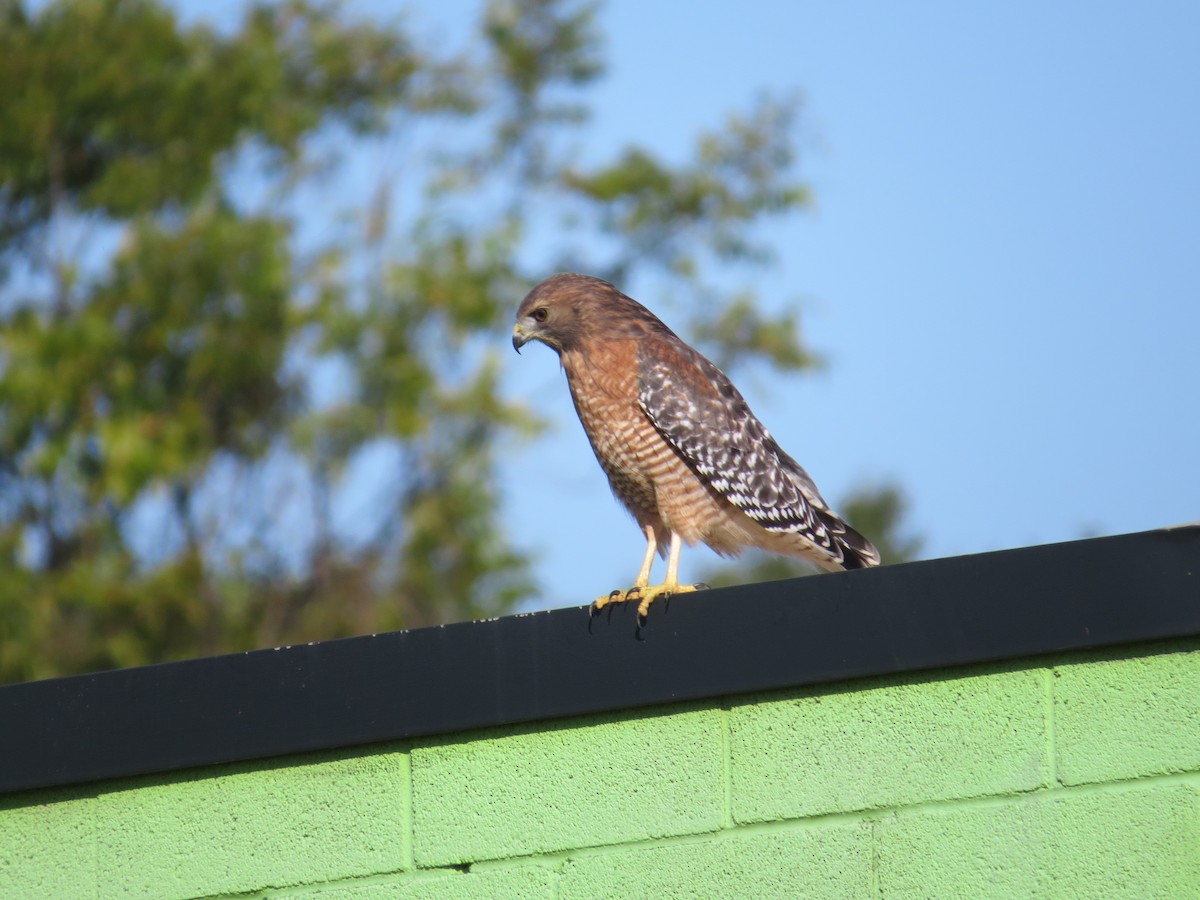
{"x":1114,"y":843}
{"x":202,"y":833}
{"x":48,"y":846}
{"x":889,"y":745}
{"x":566,"y":786}
{"x":1127,"y":718}
{"x":831,"y":861}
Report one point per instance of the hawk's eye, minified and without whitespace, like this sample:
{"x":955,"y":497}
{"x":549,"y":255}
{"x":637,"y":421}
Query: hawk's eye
{"x":540,"y":314}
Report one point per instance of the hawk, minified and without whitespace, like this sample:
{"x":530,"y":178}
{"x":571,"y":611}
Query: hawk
{"x":680,"y":446}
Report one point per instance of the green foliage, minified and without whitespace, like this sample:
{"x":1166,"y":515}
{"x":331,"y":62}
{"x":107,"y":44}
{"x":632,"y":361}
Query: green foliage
{"x":743,"y":329}
{"x":537,"y":45}
{"x":122,"y":112}
{"x":669,"y":213}
{"x":204,"y":367}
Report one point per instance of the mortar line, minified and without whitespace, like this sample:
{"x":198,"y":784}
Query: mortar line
{"x":407,"y":852}
{"x":726,"y":769}
{"x":397,"y":877}
{"x":876,"y":887}
{"x":1051,"y":746}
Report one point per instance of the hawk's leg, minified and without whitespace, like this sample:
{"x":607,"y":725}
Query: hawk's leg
{"x":644,"y":592}
{"x":643,"y":578}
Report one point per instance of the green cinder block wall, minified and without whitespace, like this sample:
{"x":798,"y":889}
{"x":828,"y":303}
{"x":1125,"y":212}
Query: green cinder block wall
{"x":1075,"y":776}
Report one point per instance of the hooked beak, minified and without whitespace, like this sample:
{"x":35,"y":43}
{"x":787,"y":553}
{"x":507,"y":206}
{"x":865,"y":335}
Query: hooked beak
{"x":519,"y":337}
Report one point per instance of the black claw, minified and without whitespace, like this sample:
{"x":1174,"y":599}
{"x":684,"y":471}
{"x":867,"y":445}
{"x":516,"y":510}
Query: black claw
{"x":702,"y":586}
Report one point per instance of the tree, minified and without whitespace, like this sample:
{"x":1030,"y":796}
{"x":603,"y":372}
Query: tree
{"x":214,"y":341}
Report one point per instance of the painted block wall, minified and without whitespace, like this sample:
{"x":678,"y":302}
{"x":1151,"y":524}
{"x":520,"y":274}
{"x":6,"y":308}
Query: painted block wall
{"x":1073,"y":777}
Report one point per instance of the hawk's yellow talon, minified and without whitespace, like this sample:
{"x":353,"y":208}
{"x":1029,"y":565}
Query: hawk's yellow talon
{"x":645,"y":595}
{"x":600,"y":602}
{"x":644,"y":608}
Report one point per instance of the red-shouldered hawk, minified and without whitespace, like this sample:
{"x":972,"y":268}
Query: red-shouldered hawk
{"x":681,"y":448}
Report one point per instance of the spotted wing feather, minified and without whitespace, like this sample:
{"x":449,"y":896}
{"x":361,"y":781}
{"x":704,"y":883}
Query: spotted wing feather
{"x":699,"y":411}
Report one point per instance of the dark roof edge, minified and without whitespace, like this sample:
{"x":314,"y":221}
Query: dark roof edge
{"x":546,"y":665}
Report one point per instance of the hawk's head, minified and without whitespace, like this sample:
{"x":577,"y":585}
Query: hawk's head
{"x":564,"y":310}
{"x":555,"y":311}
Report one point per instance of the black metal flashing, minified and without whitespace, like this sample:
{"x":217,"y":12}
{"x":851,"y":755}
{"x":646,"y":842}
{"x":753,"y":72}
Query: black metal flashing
{"x":546,"y":665}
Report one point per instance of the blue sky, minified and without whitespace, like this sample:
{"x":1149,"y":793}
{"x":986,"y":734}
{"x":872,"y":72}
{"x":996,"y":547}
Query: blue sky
{"x":1002,"y":263}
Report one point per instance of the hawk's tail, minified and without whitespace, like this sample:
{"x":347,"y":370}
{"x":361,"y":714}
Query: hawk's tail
{"x":857,"y":551}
